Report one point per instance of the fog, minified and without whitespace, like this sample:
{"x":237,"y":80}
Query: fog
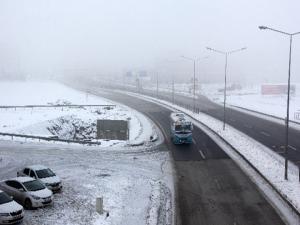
{"x":54,"y":38}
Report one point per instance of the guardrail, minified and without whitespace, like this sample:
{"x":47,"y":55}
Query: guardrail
{"x":51,"y":106}
{"x":264,"y":114}
{"x":12,"y":135}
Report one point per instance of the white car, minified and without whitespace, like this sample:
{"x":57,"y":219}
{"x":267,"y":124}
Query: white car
{"x":10,"y":211}
{"x":28,"y":192}
{"x":44,"y":174}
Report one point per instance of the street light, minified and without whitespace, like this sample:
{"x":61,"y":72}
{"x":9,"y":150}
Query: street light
{"x":225,"y":83}
{"x":194,"y":94}
{"x":288,"y":96}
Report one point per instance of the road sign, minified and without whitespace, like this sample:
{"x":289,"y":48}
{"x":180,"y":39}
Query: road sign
{"x":113,"y":129}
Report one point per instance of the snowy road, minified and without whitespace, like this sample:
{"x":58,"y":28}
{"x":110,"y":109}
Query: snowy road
{"x":211,"y":187}
{"x":265,"y":131}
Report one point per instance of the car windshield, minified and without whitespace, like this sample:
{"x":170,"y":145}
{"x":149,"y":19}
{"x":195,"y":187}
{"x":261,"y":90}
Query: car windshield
{"x":34,"y":185}
{"x":4,"y":198}
{"x":45,"y":173}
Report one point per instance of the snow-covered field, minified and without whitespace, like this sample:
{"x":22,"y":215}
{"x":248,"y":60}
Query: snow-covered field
{"x":248,"y":96}
{"x":270,"y":164}
{"x":137,"y":187}
{"x":136,"y":183}
{"x":65,"y":123}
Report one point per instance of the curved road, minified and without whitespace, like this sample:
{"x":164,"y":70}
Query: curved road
{"x":211,"y":188}
{"x":267,"y":132}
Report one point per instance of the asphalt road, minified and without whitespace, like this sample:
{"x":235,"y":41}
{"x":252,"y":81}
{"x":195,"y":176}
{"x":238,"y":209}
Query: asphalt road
{"x":212,"y":189}
{"x":269,"y":133}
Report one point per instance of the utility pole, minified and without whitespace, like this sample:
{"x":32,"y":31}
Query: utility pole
{"x":225,"y":77}
{"x":288,"y":96}
{"x":157,"y":85}
{"x":173,"y":89}
{"x":194,"y":82}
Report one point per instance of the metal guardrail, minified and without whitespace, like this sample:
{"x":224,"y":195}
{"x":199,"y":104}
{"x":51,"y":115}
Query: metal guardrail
{"x":12,"y":135}
{"x":264,"y":114}
{"x":52,"y":106}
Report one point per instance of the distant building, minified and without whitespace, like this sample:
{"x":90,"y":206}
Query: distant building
{"x":277,"y":89}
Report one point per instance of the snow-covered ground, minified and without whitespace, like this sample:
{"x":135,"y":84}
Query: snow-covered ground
{"x":136,"y":183}
{"x":250,"y":97}
{"x":65,"y":123}
{"x":247,"y":96}
{"x":137,"y":187}
{"x":270,"y":164}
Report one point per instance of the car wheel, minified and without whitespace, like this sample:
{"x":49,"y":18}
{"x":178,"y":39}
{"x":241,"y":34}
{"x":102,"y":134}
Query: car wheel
{"x":28,"y":204}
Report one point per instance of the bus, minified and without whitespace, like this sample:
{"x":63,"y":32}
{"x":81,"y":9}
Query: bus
{"x":181,"y":128}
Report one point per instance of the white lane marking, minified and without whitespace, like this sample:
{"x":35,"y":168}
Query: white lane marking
{"x":202,"y":154}
{"x":292,"y":147}
{"x":265,"y":133}
{"x":248,"y":126}
{"x":232,"y":120}
{"x":218,"y":184}
{"x":194,"y":142}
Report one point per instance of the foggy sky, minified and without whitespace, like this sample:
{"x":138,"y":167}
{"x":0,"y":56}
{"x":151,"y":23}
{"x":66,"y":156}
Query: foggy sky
{"x":43,"y":38}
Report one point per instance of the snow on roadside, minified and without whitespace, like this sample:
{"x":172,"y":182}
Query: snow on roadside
{"x":42,"y":93}
{"x":126,"y":180}
{"x":245,"y":96}
{"x":270,"y":164}
{"x":65,"y":123}
{"x":134,"y":182}
{"x":250,"y":97}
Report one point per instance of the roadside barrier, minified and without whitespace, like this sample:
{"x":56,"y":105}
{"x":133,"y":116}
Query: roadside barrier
{"x":39,"y":138}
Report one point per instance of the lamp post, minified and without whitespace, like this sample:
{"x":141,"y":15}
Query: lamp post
{"x":288,"y":96}
{"x":225,"y":78}
{"x":157,"y":85}
{"x":194,"y":84}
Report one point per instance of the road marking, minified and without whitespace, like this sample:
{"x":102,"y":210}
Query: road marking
{"x":232,"y":120}
{"x":218,"y":184}
{"x":193,"y":140}
{"x":202,"y":154}
{"x":292,"y":147}
{"x":265,"y":133}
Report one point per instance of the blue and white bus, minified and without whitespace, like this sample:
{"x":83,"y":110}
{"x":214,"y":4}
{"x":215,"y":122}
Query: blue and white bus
{"x":181,"y":128}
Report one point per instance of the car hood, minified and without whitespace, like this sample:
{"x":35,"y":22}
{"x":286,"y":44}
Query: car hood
{"x":10,"y":207}
{"x":50,"y":180}
{"x":44,"y":193}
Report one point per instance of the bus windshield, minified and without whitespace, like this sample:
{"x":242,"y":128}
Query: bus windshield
{"x":180,"y":128}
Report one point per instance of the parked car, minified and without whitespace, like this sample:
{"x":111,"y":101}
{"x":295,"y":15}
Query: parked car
{"x":43,"y":174}
{"x":10,"y":211}
{"x":28,"y":192}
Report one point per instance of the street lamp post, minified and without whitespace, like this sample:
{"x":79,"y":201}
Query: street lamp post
{"x":288,"y":96}
{"x":157,"y":85}
{"x":225,"y":77}
{"x":194,"y":84}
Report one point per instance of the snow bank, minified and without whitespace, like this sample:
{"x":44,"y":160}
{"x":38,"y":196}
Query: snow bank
{"x":69,"y":122}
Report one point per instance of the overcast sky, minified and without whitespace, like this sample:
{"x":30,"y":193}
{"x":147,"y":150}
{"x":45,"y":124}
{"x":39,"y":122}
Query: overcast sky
{"x":43,"y":37}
